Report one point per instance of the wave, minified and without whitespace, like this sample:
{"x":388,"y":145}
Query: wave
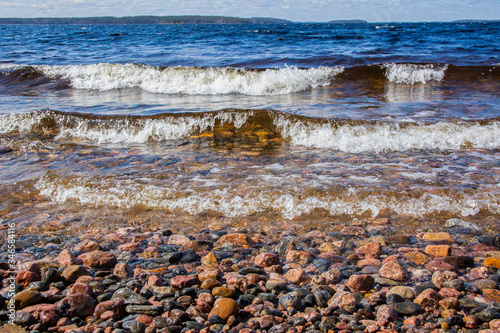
{"x":243,"y":81}
{"x":193,"y":80}
{"x":353,"y":136}
{"x":128,"y":193}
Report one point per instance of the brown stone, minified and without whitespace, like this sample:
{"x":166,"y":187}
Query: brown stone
{"x":73,"y":272}
{"x":437,"y":237}
{"x":267,"y":259}
{"x":299,"y":257}
{"x":492,"y":295}
{"x":236,"y":280}
{"x":237,"y":239}
{"x":428,"y":298}
{"x":27,"y":297}
{"x":224,"y":308}
{"x":393,"y":270}
{"x":329,"y":248}
{"x":209,"y":272}
{"x":179,"y":240}
{"x":24,"y":278}
{"x":123,"y":270}
{"x":183,"y":281}
{"x":223,"y":292}
{"x":88,"y":246}
{"x":344,"y":300}
{"x":362,"y":283}
{"x":79,"y":305}
{"x":417,"y":257}
{"x":438,"y":265}
{"x":210,"y":259}
{"x":66,"y":258}
{"x":492,"y":262}
{"x":353,"y":231}
{"x":100,"y":260}
{"x":438,"y":250}
{"x":210,"y":284}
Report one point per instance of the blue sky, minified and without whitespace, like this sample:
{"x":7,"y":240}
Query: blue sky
{"x":296,"y":10}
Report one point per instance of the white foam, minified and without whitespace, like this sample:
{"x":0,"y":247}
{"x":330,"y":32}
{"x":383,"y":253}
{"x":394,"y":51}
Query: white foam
{"x":193,"y":80}
{"x":126,"y":194}
{"x":414,"y":73}
{"x":389,"y":136}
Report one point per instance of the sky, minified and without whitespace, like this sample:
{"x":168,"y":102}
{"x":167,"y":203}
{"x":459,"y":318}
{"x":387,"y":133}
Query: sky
{"x":295,"y":10}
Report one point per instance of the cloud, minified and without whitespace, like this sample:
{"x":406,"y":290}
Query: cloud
{"x":298,"y":10}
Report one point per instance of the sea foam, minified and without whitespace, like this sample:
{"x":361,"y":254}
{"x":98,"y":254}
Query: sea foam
{"x":193,"y":80}
{"x":414,"y":73}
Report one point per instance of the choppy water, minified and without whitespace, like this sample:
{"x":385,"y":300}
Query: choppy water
{"x":268,"y":122}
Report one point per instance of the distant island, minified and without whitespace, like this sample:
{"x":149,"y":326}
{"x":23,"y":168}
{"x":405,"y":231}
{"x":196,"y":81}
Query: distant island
{"x":187,"y":19}
{"x":474,"y":21}
{"x":348,"y":22}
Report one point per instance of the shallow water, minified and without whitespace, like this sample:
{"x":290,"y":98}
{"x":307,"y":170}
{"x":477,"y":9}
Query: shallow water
{"x":269,"y":124}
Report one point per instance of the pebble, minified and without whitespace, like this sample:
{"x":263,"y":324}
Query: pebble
{"x":232,"y":280}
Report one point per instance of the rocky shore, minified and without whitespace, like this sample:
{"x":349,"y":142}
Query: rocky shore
{"x":358,"y":279}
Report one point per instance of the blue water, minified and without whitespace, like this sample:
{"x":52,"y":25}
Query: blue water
{"x":256,"y":46}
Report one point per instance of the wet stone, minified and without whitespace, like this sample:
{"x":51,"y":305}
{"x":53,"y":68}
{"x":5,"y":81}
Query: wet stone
{"x":134,"y":326}
{"x":129,"y":297}
{"x":291,"y":300}
{"x":152,"y":310}
{"x":407,"y":308}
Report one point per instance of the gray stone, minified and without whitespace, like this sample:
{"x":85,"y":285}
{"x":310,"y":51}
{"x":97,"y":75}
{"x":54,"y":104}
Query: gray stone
{"x":134,"y":326}
{"x":322,"y":297}
{"x":152,"y":310}
{"x":462,"y":224}
{"x":130,"y":297}
{"x":488,"y":314}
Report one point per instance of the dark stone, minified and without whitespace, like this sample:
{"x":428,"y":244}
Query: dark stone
{"x":457,"y":284}
{"x":291,"y":300}
{"x":322,"y":297}
{"x":183,"y":257}
{"x":216,"y":320}
{"x":24,"y":319}
{"x":397,"y":239}
{"x":473,"y":289}
{"x":268,"y":297}
{"x":194,"y":325}
{"x":454,"y":320}
{"x":39,"y":285}
{"x":488,"y":314}
{"x":5,"y":150}
{"x":322,"y":264}
{"x":50,"y":275}
{"x":489,"y":240}
{"x":459,"y":261}
{"x":407,"y":308}
{"x":134,"y":326}
{"x":394,"y":298}
{"x":248,"y":270}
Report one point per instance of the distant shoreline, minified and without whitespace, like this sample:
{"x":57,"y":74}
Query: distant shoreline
{"x":183,"y":19}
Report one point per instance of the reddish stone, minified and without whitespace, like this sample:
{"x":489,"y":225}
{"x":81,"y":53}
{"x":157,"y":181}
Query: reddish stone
{"x":65,"y":321}
{"x":24,"y":278}
{"x":267,"y":259}
{"x":439,"y":278}
{"x":145,"y":319}
{"x":491,"y":295}
{"x":297,"y":276}
{"x":438,"y":250}
{"x":108,"y":315}
{"x":236,"y":280}
{"x":87,"y":246}
{"x":415,"y":321}
{"x":66,"y":258}
{"x":253,"y":278}
{"x":116,"y":306}
{"x":344,"y":300}
{"x":80,"y":288}
{"x":393,"y":270}
{"x":353,"y":231}
{"x":179,"y":240}
{"x":154,"y":280}
{"x":36,"y":309}
{"x":449,"y":292}
{"x":183,"y":281}
{"x":386,"y":312}
{"x":79,"y":305}
{"x":449,"y":303}
{"x":372,"y":248}
{"x":50,"y":317}
{"x":100,"y":260}
{"x":428,"y":298}
{"x":362,"y":283}
{"x":237,"y":239}
{"x":368,"y":262}
{"x":438,"y":265}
